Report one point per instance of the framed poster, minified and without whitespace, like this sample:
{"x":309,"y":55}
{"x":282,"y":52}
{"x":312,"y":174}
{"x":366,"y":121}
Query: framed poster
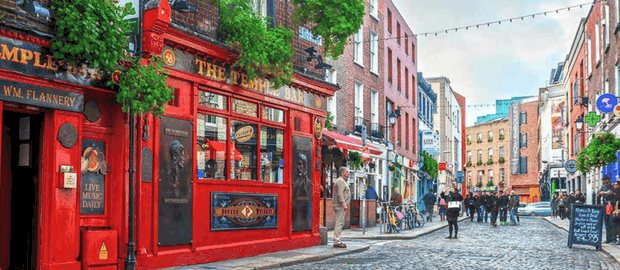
{"x":302,"y":183}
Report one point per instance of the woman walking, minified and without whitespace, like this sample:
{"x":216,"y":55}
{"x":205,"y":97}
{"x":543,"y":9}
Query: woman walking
{"x":442,"y":206}
{"x":561,"y":206}
{"x":454,"y":201}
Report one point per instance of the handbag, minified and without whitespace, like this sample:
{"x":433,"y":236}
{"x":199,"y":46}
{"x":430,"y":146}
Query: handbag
{"x":454,"y":204}
{"x":615,"y":215}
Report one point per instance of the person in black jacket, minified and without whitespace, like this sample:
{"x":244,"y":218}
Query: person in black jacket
{"x":454,"y":201}
{"x":484,"y":201}
{"x":503,"y":207}
{"x":494,"y":207}
{"x":470,"y":203}
{"x":478,"y":205}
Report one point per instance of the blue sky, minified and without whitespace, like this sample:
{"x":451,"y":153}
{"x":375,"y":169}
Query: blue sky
{"x":495,"y":62}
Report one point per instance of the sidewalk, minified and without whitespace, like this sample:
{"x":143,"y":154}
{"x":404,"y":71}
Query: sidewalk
{"x":317,"y":253}
{"x":611,"y":250}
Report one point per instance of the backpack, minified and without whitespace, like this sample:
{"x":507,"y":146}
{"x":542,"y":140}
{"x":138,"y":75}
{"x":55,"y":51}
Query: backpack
{"x":471,"y":202}
{"x":442,"y":202}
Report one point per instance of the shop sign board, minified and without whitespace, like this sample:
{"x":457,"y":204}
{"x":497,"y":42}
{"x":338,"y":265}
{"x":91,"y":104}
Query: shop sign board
{"x":92,"y":192}
{"x":224,"y":73}
{"x":586,"y":225}
{"x":41,"y":96}
{"x":175,"y":189}
{"x":241,"y":211}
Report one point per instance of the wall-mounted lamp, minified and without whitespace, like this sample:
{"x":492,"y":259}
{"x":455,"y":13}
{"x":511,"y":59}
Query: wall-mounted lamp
{"x":183,"y":6}
{"x":579,"y":124}
{"x":320,"y":65}
{"x":34,"y":9}
{"x":393,"y":117}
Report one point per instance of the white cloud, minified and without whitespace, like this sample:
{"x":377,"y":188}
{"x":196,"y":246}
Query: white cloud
{"x":496,"y":61}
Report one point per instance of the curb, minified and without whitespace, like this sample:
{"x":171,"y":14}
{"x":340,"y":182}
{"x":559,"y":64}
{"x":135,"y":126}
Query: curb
{"x":305,"y":259}
{"x":401,"y":237}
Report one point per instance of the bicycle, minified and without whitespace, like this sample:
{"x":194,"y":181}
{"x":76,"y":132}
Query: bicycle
{"x":419,"y":219}
{"x":408,"y":221}
{"x":393,"y":222}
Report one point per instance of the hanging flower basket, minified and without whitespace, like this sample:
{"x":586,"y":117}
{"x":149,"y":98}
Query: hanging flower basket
{"x":468,"y":163}
{"x":479,"y":184}
{"x":501,"y":137}
{"x":501,"y":160}
{"x":490,"y":139}
{"x":479,"y":140}
{"x":479,"y":162}
{"x":600,"y":152}
{"x":490,"y":161}
{"x":468,"y":184}
{"x":490,"y":183}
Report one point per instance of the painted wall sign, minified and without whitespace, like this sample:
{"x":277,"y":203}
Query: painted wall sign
{"x":515,"y":110}
{"x":309,"y":36}
{"x":92,"y":192}
{"x":302,"y":184}
{"x":33,"y":60}
{"x":224,"y":73}
{"x":244,"y":134}
{"x":175,"y":189}
{"x":239,"y":211}
{"x":41,"y":96}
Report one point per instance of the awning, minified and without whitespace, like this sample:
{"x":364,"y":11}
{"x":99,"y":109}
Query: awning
{"x":346,"y":142}
{"x":217,"y":150}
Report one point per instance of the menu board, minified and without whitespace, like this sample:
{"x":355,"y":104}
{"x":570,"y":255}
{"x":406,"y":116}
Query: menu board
{"x":586,"y":226}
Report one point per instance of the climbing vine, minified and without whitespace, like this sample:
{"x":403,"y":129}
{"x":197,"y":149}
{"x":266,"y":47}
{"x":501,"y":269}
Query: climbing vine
{"x":430,"y":165}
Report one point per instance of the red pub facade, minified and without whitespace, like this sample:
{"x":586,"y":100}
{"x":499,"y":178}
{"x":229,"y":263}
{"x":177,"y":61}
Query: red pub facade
{"x":232,"y":169}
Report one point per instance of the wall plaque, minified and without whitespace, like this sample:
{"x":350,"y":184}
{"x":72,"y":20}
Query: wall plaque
{"x":67,"y":135}
{"x":302,"y":184}
{"x":92,"y":192}
{"x":239,"y":211}
{"x":175,"y":188}
{"x":147,"y":165}
{"x":92,"y":111}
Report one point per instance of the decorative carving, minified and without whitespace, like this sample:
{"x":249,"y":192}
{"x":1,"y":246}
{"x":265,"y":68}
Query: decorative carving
{"x":67,"y":135}
{"x":177,"y":154}
{"x":153,"y":43}
{"x":145,"y":134}
{"x":92,"y":111}
{"x":147,"y":165}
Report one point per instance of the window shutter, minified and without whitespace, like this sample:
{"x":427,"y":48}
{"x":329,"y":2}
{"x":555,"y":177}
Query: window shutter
{"x":271,"y":13}
{"x":523,"y":163}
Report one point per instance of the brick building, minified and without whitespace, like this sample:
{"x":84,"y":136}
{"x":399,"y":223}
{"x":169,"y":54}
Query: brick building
{"x":524,"y":155}
{"x":461,"y":168}
{"x":488,"y":153}
{"x":400,"y":87}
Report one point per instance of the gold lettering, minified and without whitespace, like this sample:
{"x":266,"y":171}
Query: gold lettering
{"x":72,"y":101}
{"x":11,"y":55}
{"x":235,"y":76}
{"x":17,"y":92}
{"x":244,"y":80}
{"x":7,"y":90}
{"x":301,"y":97}
{"x":26,"y":55}
{"x":55,"y":100}
{"x":37,"y":60}
{"x":220,"y":74}
{"x":66,"y":101}
{"x":50,"y":63}
{"x":28,"y":93}
{"x":42,"y":97}
{"x":261,"y":85}
{"x":211,"y":70}
{"x":34,"y":95}
{"x":287,"y":93}
{"x":201,"y":65}
{"x":252,"y":84}
{"x":48,"y":98}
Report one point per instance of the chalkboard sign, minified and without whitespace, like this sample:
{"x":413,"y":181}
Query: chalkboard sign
{"x":586,"y":226}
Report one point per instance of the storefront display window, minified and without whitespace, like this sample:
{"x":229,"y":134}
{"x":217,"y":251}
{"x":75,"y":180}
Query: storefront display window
{"x":272,"y":160}
{"x":272,"y":114}
{"x":211,"y":148}
{"x":245,"y":108}
{"x":243,"y":136}
{"x":211,"y":100}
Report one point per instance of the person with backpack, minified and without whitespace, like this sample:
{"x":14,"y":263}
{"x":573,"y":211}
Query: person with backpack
{"x":470,"y":203}
{"x":478,"y":206}
{"x":429,"y":202}
{"x":454,"y":201}
{"x":442,"y":206}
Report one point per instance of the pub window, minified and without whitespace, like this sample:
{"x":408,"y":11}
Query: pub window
{"x":244,"y":138}
{"x":211,"y":148}
{"x":272,"y":158}
{"x":272,"y":114}
{"x":245,"y":108}
{"x":211,"y":100}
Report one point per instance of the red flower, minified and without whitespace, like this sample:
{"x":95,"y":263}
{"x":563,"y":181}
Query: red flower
{"x":599,"y":136}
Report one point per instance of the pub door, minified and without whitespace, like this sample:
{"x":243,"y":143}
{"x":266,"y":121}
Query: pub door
{"x":19,"y":174}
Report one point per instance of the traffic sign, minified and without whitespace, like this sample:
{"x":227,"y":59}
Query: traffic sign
{"x":570,"y":166}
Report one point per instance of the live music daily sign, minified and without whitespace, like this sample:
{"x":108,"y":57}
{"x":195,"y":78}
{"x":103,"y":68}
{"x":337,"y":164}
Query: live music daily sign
{"x":586,"y":226}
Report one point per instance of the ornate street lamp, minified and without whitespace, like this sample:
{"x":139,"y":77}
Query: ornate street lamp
{"x":393,"y":117}
{"x":579,"y":124}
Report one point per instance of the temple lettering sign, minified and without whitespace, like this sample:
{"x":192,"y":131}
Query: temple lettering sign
{"x":224,"y":73}
{"x":41,"y":96}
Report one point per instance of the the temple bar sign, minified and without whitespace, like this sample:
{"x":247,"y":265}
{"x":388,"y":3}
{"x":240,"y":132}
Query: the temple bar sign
{"x":41,"y":96}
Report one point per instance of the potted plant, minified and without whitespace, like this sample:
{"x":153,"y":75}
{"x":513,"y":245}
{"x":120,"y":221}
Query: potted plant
{"x":501,"y":160}
{"x":490,"y":183}
{"x":479,"y":184}
{"x":479,"y":140}
{"x":501,"y":183}
{"x":490,"y":161}
{"x":468,"y":183}
{"x":490,"y":139}
{"x":479,"y":162}
{"x":501,"y":137}
{"x":468,"y":163}
{"x":468,"y":142}
{"x":355,"y":160}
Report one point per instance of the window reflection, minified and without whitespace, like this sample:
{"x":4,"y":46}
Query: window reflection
{"x":244,"y":138}
{"x":272,"y":114}
{"x":212,"y":100}
{"x":272,"y":161}
{"x":211,"y":148}
{"x":245,"y":108}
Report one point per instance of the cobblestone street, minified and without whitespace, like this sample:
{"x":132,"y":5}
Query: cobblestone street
{"x":534,"y":244}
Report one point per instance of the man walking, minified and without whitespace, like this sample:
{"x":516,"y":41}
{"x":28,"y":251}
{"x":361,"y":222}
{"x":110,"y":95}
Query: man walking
{"x":341,"y":200}
{"x":494,"y":207}
{"x":513,"y":204}
{"x":484,"y":202}
{"x":607,"y":195}
{"x":429,"y":202}
{"x":503,"y":207}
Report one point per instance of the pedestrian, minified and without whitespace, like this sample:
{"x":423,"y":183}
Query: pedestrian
{"x":442,"y":206}
{"x":503,"y":208}
{"x":396,"y":199}
{"x":579,"y":197}
{"x":485,"y":206}
{"x":616,"y":222}
{"x":454,"y":201}
{"x":478,"y":207}
{"x":569,"y":202}
{"x":513,"y":204}
{"x":554,"y":205}
{"x":470,"y":203}
{"x":429,"y":202}
{"x":341,"y":200}
{"x":494,"y":207}
{"x":517,"y":210}
{"x":561,"y":205}
{"x":379,"y":211}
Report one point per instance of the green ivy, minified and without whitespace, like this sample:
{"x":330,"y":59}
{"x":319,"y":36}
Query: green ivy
{"x":328,"y":121}
{"x":263,"y":52}
{"x":91,"y":32}
{"x":355,"y":160}
{"x":600,"y":152}
{"x":430,"y":165}
{"x":334,"y":20}
{"x":143,"y":88}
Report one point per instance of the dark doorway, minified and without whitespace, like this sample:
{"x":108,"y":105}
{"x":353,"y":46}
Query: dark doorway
{"x":21,"y":142}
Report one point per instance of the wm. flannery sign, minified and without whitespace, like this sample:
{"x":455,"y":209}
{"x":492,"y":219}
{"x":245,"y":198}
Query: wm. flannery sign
{"x":40,"y":96}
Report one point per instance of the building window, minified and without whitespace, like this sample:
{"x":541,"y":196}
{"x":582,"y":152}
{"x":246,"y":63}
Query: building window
{"x":479,"y":136}
{"x":413,"y":52}
{"x":480,"y":176}
{"x":502,"y":174}
{"x":501,"y":132}
{"x":523,"y":140}
{"x":501,"y":152}
{"x":523,"y":118}
{"x":359,"y":46}
{"x":607,"y":26}
{"x":398,"y":33}
{"x":490,"y":153}
{"x":597,"y":42}
{"x":480,"y":155}
{"x":406,"y":44}
{"x":332,"y":109}
{"x":413,"y":84}
{"x":468,"y":156}
{"x":389,"y":21}
{"x":374,"y":106}
{"x":523,"y":165}
{"x":576,"y":144}
{"x":469,"y":137}
{"x":406,"y":131}
{"x":373,"y":8}
{"x":589,"y":54}
{"x":389,"y":66}
{"x":260,"y":7}
{"x":398,"y":74}
{"x":359,"y":99}
{"x":490,"y":175}
{"x":211,"y":136}
{"x":490,"y":133}
{"x":616,"y":80}
{"x":617,"y":11}
{"x":374,"y":56}
{"x":406,"y":83}
{"x":399,"y":134}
